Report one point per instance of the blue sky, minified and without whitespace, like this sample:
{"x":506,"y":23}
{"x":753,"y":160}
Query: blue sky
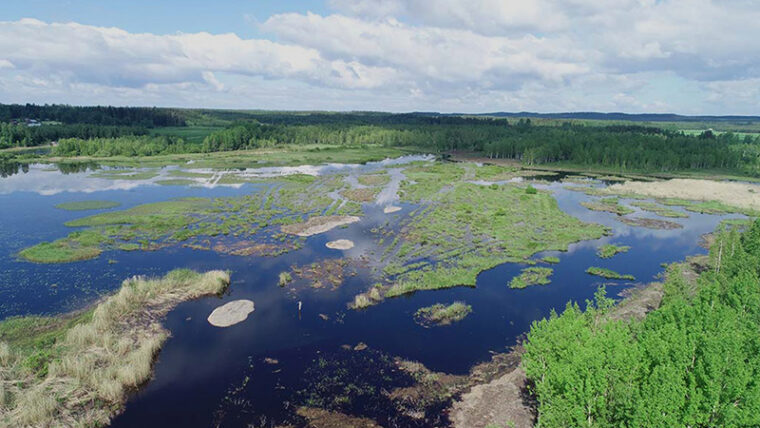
{"x":683,"y":56}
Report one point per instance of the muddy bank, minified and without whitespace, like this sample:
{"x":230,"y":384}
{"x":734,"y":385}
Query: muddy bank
{"x":317,"y":225}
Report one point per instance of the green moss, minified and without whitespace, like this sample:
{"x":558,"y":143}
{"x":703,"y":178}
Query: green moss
{"x":87,"y":205}
{"x":439,"y":314}
{"x":531,"y":276}
{"x":608,"y":250}
{"x":607,"y":273}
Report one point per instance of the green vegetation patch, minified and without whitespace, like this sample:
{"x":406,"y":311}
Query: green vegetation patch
{"x":550,"y":259}
{"x":87,"y":205}
{"x":659,"y":209}
{"x":245,"y":225}
{"x":610,"y":205}
{"x":462,"y":228}
{"x":440,"y":314}
{"x":707,"y":207}
{"x":176,"y":182}
{"x":531,"y":276}
{"x":609,"y":250}
{"x":380,"y":179}
{"x":607,"y":273}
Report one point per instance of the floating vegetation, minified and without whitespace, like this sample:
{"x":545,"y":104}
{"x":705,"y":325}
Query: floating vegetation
{"x":330,"y":272}
{"x":369,"y":298}
{"x":607,"y":273}
{"x":610,"y":205}
{"x":659,"y":209}
{"x":649,"y":223}
{"x":231,"y":313}
{"x":284,"y":279}
{"x":440,"y":314}
{"x":531,"y":276}
{"x":87,"y":205}
{"x":550,"y":259}
{"x":609,"y":250}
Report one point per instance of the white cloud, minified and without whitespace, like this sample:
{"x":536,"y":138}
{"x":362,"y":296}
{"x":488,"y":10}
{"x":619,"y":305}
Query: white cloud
{"x":688,"y":56}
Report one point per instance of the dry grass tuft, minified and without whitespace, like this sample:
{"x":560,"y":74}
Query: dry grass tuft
{"x":99,"y":361}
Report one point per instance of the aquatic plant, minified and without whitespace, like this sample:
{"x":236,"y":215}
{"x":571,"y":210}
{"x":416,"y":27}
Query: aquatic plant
{"x":440,"y":314}
{"x":607,"y":273}
{"x":531,"y":276}
{"x":609,"y":250}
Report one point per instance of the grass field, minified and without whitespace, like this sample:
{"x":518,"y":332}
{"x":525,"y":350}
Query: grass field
{"x":191,"y":134}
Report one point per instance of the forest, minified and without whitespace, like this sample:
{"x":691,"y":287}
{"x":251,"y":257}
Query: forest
{"x":107,"y":131}
{"x":695,"y":361}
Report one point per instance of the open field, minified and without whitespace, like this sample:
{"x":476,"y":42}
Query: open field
{"x":77,"y":370}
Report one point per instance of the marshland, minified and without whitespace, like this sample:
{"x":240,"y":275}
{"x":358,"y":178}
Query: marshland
{"x":393,"y":279}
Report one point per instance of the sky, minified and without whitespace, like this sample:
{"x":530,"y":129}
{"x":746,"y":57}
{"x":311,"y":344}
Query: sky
{"x":469,"y":56}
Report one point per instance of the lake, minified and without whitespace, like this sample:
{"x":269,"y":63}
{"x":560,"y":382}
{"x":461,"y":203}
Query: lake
{"x":257,"y":372}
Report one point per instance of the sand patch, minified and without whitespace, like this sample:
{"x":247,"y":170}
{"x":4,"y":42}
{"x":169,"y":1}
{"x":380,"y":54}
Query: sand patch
{"x":317,"y":225}
{"x":340,"y":244}
{"x":231,"y":313}
{"x":391,"y":209}
{"x":742,"y":195}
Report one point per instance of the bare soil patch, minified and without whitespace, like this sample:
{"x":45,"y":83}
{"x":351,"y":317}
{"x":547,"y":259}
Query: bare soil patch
{"x":391,"y":209}
{"x":340,"y":244}
{"x":231,"y":313}
{"x":317,"y":225}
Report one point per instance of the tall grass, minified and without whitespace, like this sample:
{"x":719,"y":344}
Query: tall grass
{"x":98,"y":361}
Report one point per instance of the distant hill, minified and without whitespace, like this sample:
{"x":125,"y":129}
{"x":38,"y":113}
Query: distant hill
{"x":642,"y":117}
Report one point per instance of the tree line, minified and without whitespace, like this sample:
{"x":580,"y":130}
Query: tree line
{"x":695,"y":361}
{"x":21,"y":135}
{"x":148,"y":117}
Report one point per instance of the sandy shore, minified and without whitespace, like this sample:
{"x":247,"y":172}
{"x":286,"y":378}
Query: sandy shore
{"x":340,"y":244}
{"x":742,"y":195}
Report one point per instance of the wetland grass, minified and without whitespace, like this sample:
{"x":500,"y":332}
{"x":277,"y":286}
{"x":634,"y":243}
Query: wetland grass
{"x":440,"y":314}
{"x":610,"y":205}
{"x":532,"y":276}
{"x":76,"y":370}
{"x":608,"y":274}
{"x":609,"y":250}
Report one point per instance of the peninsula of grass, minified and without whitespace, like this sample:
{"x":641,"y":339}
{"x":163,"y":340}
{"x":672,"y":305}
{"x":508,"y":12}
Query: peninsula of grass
{"x":609,"y":250}
{"x":608,"y":274}
{"x":87,"y":205}
{"x":464,"y":228}
{"x":553,"y":260}
{"x":610,"y":205}
{"x":440,"y":314}
{"x":77,"y":369}
{"x":659,"y":209}
{"x":531,"y":276}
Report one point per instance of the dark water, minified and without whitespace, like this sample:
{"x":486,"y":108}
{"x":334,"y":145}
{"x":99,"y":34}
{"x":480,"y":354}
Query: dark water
{"x":210,"y":376}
